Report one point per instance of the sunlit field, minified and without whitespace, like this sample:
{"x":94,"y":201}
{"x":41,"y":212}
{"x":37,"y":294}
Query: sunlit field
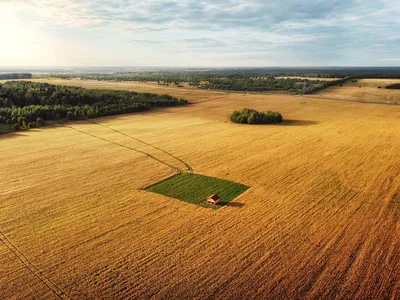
{"x":366,"y":90}
{"x":321,"y":217}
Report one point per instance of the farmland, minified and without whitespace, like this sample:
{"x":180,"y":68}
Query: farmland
{"x":321,"y":218}
{"x":366,"y":90}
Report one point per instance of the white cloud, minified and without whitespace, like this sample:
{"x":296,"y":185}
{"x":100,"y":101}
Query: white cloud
{"x":138,"y":30}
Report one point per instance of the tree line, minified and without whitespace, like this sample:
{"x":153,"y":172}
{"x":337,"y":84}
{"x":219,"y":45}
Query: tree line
{"x":251,"y":116}
{"x":242,"y":80}
{"x":30,"y":104}
{"x":15,"y":76}
{"x":394,"y":86}
{"x":325,"y":84}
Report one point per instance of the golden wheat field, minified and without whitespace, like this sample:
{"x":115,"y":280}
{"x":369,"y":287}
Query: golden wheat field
{"x":320,"y":220}
{"x":365,"y":90}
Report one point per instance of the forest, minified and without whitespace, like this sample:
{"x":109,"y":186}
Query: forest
{"x":7,"y":76}
{"x":25,"y":104}
{"x":231,"y":81}
{"x":240,"y":79}
{"x":261,"y":84}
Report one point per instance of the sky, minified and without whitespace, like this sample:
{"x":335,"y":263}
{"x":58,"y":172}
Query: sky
{"x":199,"y":33}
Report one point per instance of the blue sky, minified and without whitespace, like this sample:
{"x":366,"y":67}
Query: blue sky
{"x":199,"y":33}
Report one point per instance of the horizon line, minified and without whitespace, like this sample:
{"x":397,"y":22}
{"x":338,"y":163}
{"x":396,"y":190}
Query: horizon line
{"x":204,"y":67}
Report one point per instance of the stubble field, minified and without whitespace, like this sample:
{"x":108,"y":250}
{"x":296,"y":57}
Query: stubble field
{"x":321,"y":217}
{"x":363,"y":90}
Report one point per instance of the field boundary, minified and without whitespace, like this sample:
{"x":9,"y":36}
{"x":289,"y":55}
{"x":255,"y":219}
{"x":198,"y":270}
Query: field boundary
{"x":350,"y":100}
{"x":144,"y":188}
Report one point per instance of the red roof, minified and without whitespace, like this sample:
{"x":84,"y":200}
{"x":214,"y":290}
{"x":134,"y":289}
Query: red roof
{"x":214,"y":197}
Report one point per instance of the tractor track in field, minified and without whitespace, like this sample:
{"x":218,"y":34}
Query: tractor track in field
{"x":51,"y":285}
{"x":349,"y":100}
{"x":126,"y":147}
{"x":188,"y":167}
{"x":212,"y":99}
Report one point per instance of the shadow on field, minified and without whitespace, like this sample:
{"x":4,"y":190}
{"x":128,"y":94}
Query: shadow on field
{"x":298,"y":123}
{"x":230,"y":204}
{"x":10,"y":135}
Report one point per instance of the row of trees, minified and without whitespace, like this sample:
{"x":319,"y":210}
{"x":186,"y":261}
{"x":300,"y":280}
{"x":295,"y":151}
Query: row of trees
{"x":6,"y":76}
{"x":394,"y":86}
{"x":251,"y":116}
{"x":22,"y":103}
{"x":325,"y":84}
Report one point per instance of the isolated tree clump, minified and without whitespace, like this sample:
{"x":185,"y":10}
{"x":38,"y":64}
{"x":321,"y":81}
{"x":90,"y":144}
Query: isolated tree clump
{"x":251,"y":116}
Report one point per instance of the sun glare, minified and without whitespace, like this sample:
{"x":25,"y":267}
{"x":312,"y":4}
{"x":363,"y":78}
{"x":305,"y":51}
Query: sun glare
{"x":21,"y":43}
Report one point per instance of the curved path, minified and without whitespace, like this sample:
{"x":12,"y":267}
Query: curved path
{"x":188,"y":167}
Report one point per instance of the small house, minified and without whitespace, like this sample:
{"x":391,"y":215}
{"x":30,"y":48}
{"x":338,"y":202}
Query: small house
{"x":213,"y":199}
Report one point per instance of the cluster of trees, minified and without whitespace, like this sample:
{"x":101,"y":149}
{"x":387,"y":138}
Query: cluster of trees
{"x":23,"y":103}
{"x":15,"y":76}
{"x":251,"y":116}
{"x":394,"y":86}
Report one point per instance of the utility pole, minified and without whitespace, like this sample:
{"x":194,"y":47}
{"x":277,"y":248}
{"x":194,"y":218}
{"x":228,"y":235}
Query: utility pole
{"x":304,"y":91}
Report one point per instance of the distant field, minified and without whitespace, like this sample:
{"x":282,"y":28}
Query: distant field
{"x":309,"y":78}
{"x":364,"y":90}
{"x":195,"y":189}
{"x":321,"y":219}
{"x":152,"y":87}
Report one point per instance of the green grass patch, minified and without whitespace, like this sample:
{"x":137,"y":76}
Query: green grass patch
{"x":195,"y":189}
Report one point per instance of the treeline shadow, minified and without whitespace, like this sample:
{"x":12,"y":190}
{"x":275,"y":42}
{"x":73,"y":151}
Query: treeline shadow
{"x":289,"y":122}
{"x":230,"y":204}
{"x":10,"y":135}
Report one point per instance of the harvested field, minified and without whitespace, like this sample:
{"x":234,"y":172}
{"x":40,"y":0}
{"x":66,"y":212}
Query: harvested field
{"x":365,"y":90}
{"x":321,"y":219}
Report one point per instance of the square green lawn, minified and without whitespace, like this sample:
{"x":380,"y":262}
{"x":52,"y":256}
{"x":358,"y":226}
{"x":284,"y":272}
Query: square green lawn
{"x":196,"y":189}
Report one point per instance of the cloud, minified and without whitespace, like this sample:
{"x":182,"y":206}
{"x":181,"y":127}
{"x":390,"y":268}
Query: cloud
{"x":341,"y":30}
{"x":172,"y":14}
